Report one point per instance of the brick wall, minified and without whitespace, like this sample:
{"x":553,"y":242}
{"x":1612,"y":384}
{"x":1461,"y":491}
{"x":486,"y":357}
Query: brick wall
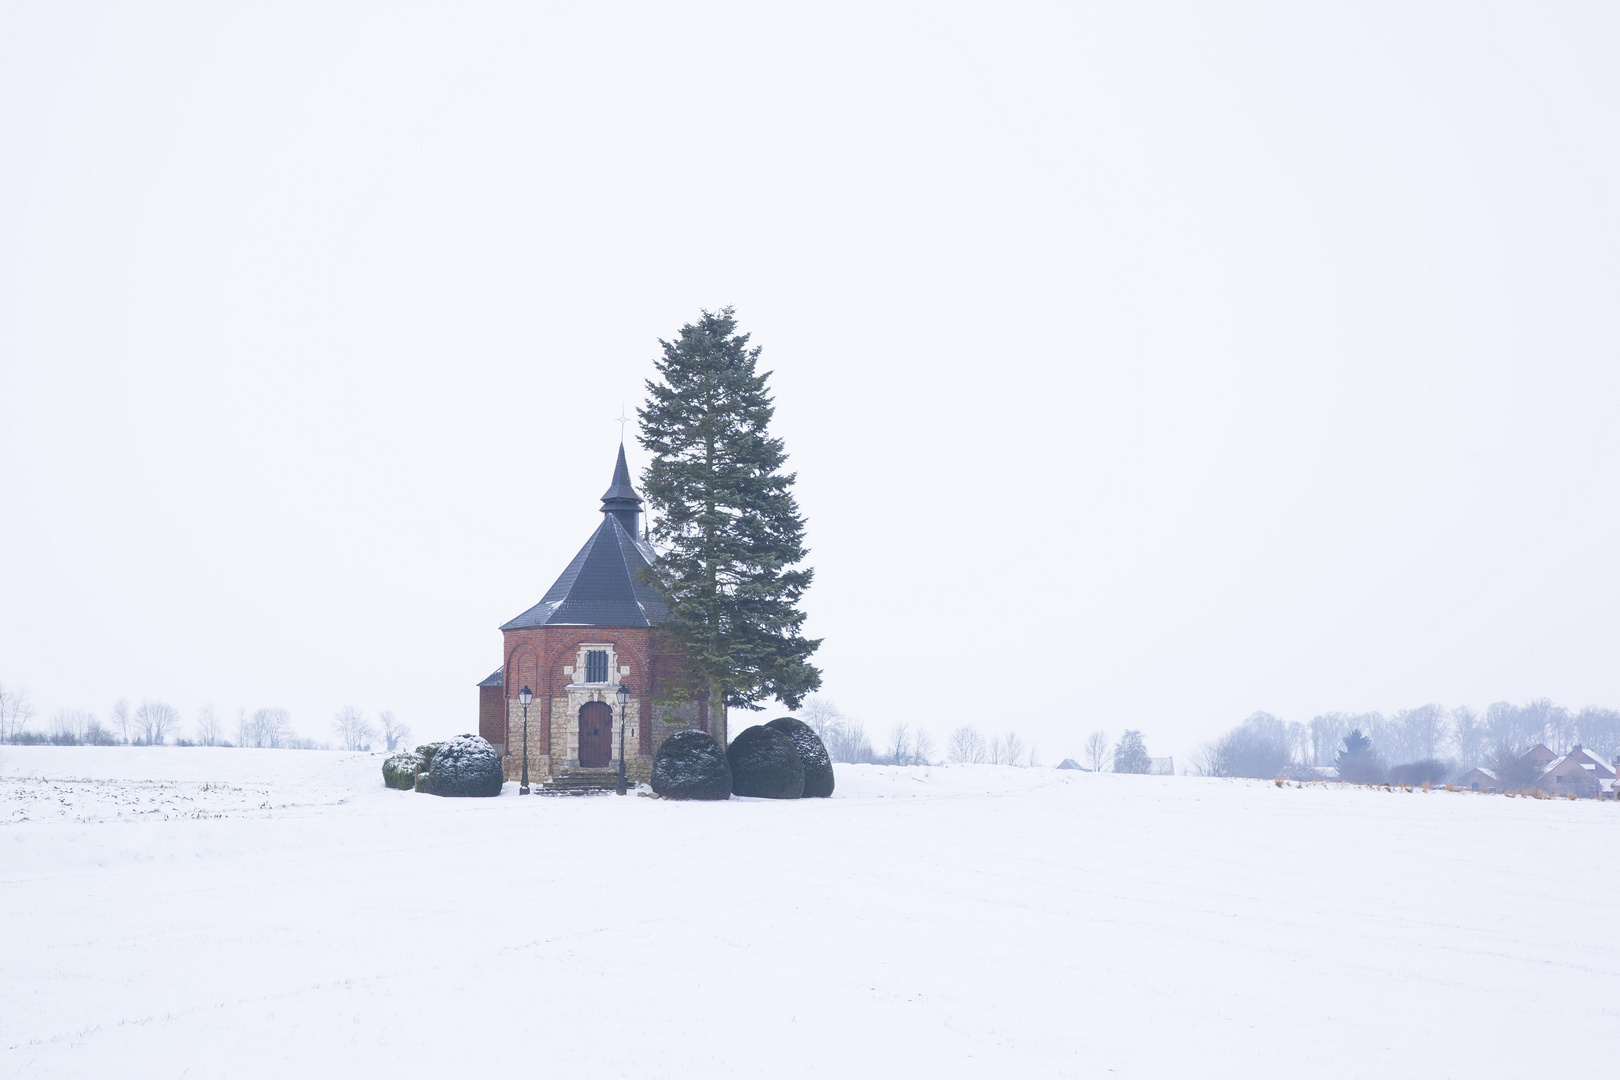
{"x":546,"y":660}
{"x":492,"y":716}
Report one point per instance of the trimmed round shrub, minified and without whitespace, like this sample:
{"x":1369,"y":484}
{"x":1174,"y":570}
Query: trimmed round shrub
{"x":400,"y":768}
{"x":765,"y":765}
{"x":691,"y":765}
{"x":465,"y":767}
{"x":818,"y":770}
{"x":427,"y":750}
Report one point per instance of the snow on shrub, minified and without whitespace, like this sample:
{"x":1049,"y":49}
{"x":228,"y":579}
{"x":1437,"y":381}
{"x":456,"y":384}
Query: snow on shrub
{"x":818,"y":770}
{"x":465,"y":767}
{"x":427,"y":750}
{"x":691,"y":765}
{"x":400,"y":769}
{"x":765,"y":765}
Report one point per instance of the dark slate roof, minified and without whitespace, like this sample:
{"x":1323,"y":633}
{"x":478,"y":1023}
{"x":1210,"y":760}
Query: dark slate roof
{"x":620,"y":489}
{"x":602,"y":586}
{"x":496,"y":678}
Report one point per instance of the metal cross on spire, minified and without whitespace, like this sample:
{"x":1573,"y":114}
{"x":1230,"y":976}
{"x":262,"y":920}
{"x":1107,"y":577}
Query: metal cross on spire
{"x":623,"y":420}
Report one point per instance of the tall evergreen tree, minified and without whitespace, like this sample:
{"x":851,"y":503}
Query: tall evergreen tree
{"x":1130,"y":755}
{"x":1359,"y":762}
{"x":725,"y":519}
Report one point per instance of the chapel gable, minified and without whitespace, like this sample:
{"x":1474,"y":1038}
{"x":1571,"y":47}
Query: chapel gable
{"x":605,"y":683}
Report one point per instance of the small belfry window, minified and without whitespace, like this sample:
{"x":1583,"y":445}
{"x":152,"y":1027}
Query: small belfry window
{"x":596,"y":665}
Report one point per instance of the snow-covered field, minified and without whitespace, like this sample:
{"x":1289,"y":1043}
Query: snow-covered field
{"x":247,"y":913}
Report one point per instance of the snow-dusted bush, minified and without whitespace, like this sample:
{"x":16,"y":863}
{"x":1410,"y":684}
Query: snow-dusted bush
{"x":400,"y":769}
{"x":465,"y":767}
{"x":1429,"y":771}
{"x":766,"y":765}
{"x":691,"y":765}
{"x":818,"y":770}
{"x":427,"y":750}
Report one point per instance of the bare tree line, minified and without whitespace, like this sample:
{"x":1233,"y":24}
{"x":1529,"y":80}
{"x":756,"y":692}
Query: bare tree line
{"x":157,"y":723}
{"x":848,"y":743}
{"x":15,"y":711}
{"x":355,"y":732}
{"x":970,"y":746}
{"x":844,"y":736}
{"x":1429,"y":739}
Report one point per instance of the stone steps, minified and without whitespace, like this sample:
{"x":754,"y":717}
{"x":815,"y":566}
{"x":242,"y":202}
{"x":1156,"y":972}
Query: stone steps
{"x":579,"y":784}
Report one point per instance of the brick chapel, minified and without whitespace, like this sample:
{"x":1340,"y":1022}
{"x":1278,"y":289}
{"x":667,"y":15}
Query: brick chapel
{"x":595,"y":629}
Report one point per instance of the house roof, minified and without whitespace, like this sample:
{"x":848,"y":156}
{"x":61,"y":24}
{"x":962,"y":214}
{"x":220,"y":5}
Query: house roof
{"x":1583,"y":758}
{"x":1590,"y":760}
{"x":496,"y":678}
{"x":1541,"y":753}
{"x":603,"y":585}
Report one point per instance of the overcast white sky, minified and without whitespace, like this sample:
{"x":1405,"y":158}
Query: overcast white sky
{"x":1141,"y":366}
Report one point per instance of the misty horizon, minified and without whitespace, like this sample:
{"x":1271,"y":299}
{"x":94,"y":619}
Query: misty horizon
{"x":1154,"y":371}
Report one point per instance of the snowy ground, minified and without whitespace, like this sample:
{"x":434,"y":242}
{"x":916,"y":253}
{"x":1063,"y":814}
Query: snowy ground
{"x":247,"y":913}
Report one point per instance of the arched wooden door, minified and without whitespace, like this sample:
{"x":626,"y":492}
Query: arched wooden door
{"x":595,"y":735}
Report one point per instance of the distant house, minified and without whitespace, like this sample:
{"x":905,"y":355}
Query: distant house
{"x":1579,"y":772}
{"x":1070,"y":763}
{"x":1540,"y":755}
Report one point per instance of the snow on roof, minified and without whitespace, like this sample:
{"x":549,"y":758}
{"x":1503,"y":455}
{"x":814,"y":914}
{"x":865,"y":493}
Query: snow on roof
{"x":1586,"y":760}
{"x":1592,"y":761}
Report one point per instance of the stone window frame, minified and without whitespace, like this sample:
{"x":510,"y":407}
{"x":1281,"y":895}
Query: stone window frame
{"x":576,"y":694}
{"x":617,"y":669}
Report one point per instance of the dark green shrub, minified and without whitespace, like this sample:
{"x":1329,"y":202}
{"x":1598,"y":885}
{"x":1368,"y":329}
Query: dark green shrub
{"x":691,"y":765}
{"x":818,"y":770}
{"x":1417,"y":773}
{"x":465,"y":767}
{"x":399,"y":769}
{"x":765,"y":765}
{"x":427,"y":750}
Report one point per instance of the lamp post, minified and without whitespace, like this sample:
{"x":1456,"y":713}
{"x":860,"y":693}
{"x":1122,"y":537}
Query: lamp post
{"x":624,"y":701}
{"x":525,"y":696}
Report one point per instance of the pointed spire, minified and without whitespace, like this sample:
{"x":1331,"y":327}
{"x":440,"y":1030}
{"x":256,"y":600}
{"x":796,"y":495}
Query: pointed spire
{"x":621,"y":499}
{"x":621,"y":488}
